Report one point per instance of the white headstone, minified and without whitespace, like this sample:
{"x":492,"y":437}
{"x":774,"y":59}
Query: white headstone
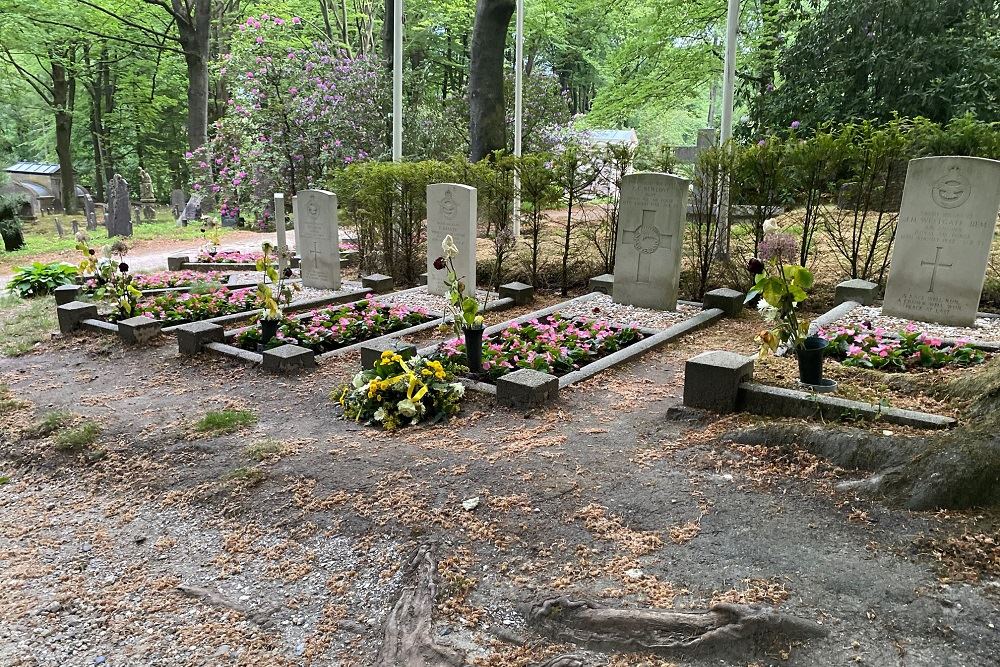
{"x":279,"y":228}
{"x":650,"y":240}
{"x":451,"y":209}
{"x":943,"y":239}
{"x":318,"y":239}
{"x":295,"y":236}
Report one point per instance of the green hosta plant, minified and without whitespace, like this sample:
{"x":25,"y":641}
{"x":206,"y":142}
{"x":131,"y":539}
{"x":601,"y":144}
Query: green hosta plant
{"x":40,"y":279}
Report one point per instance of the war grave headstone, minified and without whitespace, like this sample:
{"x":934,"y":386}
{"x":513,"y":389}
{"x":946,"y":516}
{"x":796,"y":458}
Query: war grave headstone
{"x":650,"y":240}
{"x":318,"y":240}
{"x":118,"y":217}
{"x":943,"y":238}
{"x":451,"y":209}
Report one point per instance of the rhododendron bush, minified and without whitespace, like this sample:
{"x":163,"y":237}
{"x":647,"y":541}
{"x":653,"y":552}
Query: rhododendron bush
{"x":298,"y":109}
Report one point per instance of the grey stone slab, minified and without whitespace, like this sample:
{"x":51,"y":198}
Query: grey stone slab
{"x":192,"y":337}
{"x":451,"y":209}
{"x":378,"y":283}
{"x":422,"y":279}
{"x":712,"y":380}
{"x":288,"y":357}
{"x":943,"y":239}
{"x":317,"y":238}
{"x":282,"y":233}
{"x":118,"y":218}
{"x":177,"y":262}
{"x":521,"y":293}
{"x":66,"y":293}
{"x":857,"y":290}
{"x":139,"y":330}
{"x":727,"y":300}
{"x":372,"y":351}
{"x":651,"y":223}
{"x":71,"y":314}
{"x":526,"y":388}
{"x":603,"y":283}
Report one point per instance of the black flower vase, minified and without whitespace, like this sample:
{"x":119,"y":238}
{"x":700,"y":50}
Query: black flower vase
{"x":268,"y":330}
{"x":474,"y":349}
{"x":810,"y":357}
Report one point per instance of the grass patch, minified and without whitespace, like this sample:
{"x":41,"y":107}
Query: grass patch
{"x":265,"y":450}
{"x":225,"y":421}
{"x":24,"y":323}
{"x":78,"y":438}
{"x":8,"y":403}
{"x":49,"y":424}
{"x":248,"y":476}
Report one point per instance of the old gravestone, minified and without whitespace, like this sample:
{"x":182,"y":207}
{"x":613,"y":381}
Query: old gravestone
{"x":90,"y":212}
{"x":192,"y":210}
{"x":451,"y":209}
{"x":146,"y":195}
{"x":650,"y":240}
{"x":279,"y":227}
{"x":318,"y":239}
{"x":177,"y":202}
{"x":943,"y":239}
{"x":118,"y":217}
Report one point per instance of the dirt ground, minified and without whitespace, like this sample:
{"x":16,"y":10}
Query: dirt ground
{"x":615,"y":492}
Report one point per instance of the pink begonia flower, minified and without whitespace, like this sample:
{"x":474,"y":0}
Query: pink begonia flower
{"x":296,"y":20}
{"x":196,"y":186}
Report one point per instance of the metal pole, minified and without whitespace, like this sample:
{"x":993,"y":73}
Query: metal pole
{"x":518,"y":110}
{"x":726,"y":131}
{"x":397,"y":81}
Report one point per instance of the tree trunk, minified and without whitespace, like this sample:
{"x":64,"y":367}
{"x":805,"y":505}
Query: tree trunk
{"x":487,"y":112}
{"x":194,"y":37}
{"x":63,"y":101}
{"x":387,"y":32}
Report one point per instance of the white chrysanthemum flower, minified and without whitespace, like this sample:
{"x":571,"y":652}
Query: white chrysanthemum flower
{"x":379,"y":415}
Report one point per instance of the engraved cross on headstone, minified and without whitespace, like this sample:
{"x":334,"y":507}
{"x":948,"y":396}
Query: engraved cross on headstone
{"x":647,"y":240}
{"x":936,"y":263}
{"x":315,"y":253}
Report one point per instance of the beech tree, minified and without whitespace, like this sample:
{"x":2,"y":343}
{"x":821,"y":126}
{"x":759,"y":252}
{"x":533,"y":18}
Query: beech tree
{"x":487,"y":111}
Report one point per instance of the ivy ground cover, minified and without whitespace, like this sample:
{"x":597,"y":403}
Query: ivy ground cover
{"x":866,"y":347}
{"x":552,"y":344}
{"x":327,"y":329}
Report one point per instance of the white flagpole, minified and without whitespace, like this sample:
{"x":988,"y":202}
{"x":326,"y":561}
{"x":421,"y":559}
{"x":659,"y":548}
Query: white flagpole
{"x":726,"y":131}
{"x":518,"y":110}
{"x":397,"y":81}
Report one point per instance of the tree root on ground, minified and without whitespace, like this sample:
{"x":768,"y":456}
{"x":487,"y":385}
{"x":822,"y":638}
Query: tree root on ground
{"x":407,"y":641}
{"x":262,"y":618}
{"x":662,"y":631}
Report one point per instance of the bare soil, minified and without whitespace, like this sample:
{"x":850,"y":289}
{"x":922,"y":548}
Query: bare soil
{"x":157,"y":545}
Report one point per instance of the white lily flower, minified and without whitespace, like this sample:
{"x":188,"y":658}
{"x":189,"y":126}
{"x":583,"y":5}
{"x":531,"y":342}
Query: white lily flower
{"x":448,"y":247}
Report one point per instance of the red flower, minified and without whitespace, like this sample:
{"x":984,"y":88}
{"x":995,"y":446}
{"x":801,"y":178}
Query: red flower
{"x":755,"y":266}
{"x":439,"y":264}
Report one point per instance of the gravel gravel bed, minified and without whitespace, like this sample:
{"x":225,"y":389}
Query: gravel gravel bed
{"x":620,"y":313}
{"x":314,"y":293}
{"x":985,"y":328}
{"x":434,"y":304}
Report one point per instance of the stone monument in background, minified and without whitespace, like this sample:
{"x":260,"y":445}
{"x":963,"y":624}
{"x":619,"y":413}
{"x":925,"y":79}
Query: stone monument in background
{"x":118,"y":215}
{"x":451,"y":209}
{"x":146,"y":197}
{"x":943,"y":238}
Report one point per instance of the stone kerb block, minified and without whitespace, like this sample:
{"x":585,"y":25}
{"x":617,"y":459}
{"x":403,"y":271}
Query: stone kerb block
{"x":526,"y":388}
{"x":604,"y":283}
{"x":193,"y":336}
{"x":177,"y":262}
{"x":372,"y":352}
{"x":378,"y":283}
{"x":727,"y":300}
{"x":139,"y":330}
{"x":712,"y":380}
{"x":66,"y":293}
{"x":422,"y":278}
{"x":858,"y":290}
{"x":288,"y":357}
{"x":521,"y":293}
{"x":71,"y":314}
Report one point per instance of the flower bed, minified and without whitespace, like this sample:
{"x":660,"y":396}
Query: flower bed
{"x":181,"y":307}
{"x":332,"y":328}
{"x":229,"y":257}
{"x":553,"y":344}
{"x":164,"y":280}
{"x":866,"y":347}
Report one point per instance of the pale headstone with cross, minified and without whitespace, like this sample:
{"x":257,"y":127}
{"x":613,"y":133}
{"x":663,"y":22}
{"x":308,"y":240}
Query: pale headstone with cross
{"x":650,"y":240}
{"x":318,"y":239}
{"x":943,"y":239}
{"x":451,"y":209}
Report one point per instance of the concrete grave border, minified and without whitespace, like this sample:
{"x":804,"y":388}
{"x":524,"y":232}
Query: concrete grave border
{"x":654,"y":338}
{"x":722,"y":382}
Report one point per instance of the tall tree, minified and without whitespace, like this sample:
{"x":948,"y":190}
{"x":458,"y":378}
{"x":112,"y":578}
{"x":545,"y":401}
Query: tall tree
{"x":487,"y":111}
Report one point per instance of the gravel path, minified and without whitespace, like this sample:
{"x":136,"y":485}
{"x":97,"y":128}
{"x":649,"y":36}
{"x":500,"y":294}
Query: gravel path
{"x":620,"y":313}
{"x":985,"y":329}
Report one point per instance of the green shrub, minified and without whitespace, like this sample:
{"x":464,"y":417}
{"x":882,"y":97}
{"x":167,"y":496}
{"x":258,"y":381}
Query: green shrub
{"x":10,"y":225}
{"x":224,"y":421}
{"x":41,"y":279}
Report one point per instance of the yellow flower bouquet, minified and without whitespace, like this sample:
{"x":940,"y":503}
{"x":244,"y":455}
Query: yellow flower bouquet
{"x":401,"y":392}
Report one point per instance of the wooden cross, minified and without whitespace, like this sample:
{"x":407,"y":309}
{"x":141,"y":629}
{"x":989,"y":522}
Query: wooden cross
{"x":936,"y":263}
